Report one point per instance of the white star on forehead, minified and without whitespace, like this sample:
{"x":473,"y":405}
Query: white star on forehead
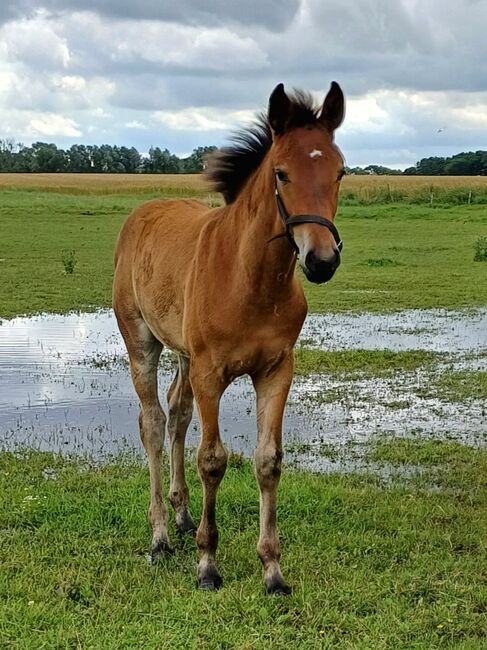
{"x":314,"y":153}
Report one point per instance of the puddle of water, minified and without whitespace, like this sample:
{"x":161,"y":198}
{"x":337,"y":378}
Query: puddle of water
{"x":66,"y":388}
{"x":368,"y":407}
{"x":435,"y":330}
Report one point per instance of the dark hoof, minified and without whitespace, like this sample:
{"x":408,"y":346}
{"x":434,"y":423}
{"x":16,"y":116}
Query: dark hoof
{"x":210,"y":585}
{"x":186,"y":525}
{"x":277,"y":587}
{"x":160,"y":550}
{"x":211,"y":580}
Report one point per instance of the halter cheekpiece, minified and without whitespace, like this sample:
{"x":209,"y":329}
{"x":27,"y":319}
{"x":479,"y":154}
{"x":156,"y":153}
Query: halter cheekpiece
{"x":297,"y":219}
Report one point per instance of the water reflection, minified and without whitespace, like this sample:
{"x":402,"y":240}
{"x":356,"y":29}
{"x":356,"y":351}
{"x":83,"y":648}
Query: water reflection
{"x":66,"y":387}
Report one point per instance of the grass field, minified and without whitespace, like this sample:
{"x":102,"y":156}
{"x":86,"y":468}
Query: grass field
{"x":382,"y":565}
{"x":394,"y":563}
{"x":397,"y":255}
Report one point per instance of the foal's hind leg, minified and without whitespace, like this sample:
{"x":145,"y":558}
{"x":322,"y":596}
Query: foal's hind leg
{"x":272,"y":391}
{"x":144,"y":351}
{"x":180,"y":401}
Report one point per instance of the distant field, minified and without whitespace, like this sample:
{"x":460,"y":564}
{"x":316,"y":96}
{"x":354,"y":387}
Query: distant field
{"x":107,"y":183}
{"x":354,"y":189}
{"x":416,"y":189}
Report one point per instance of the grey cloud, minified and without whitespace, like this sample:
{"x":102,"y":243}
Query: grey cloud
{"x":425,"y":45}
{"x":360,"y":25}
{"x":13,"y":9}
{"x":394,"y":44}
{"x":151,"y":92}
{"x":274,"y":15}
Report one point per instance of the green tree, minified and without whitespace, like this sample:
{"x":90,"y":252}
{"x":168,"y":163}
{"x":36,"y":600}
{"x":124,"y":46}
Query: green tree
{"x":433,"y":166}
{"x":130,"y":160}
{"x":161,"y":162}
{"x":7,"y":154}
{"x":380,"y":170}
{"x":47,"y":158}
{"x":78,"y":159}
{"x":195,"y":163}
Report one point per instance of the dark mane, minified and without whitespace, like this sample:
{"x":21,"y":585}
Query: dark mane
{"x":231,"y":166}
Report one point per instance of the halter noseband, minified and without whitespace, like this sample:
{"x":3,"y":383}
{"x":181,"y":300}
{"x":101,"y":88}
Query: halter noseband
{"x":297,"y":219}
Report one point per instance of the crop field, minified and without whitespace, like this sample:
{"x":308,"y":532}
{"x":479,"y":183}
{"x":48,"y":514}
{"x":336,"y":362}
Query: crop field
{"x":162,"y":184}
{"x":382,"y":520}
{"x":407,"y":186}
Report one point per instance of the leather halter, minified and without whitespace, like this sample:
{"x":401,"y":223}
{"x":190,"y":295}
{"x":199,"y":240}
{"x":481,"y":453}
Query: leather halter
{"x":297,"y":219}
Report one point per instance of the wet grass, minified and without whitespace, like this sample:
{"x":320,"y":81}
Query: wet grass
{"x":457,"y":386}
{"x":361,"y":363}
{"x":373,"y":564}
{"x":396,"y":256}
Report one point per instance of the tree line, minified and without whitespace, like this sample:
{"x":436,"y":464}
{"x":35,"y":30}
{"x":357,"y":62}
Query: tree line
{"x":103,"y":159}
{"x":111,"y":159}
{"x":470,"y":163}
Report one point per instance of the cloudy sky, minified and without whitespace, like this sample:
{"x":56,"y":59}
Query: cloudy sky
{"x":183,"y":73}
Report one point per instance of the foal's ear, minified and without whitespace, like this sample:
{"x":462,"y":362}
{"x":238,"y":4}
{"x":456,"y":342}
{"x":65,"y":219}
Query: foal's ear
{"x":333,"y":110}
{"x":279,"y":106}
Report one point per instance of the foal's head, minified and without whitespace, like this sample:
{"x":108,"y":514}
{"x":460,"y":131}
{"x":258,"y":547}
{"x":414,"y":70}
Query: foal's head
{"x":308,"y":167}
{"x":294,"y":144}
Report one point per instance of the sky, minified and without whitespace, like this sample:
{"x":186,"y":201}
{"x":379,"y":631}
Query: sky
{"x":186,"y":73}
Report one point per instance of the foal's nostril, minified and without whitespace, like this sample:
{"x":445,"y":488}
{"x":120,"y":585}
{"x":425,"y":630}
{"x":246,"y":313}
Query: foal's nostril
{"x":311,"y":261}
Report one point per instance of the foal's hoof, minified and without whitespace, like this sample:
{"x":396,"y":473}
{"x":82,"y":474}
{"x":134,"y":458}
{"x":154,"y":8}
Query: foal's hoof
{"x":210,"y":580}
{"x":161,"y":550}
{"x":277,"y":587}
{"x":185,"y":525}
{"x":210,"y":585}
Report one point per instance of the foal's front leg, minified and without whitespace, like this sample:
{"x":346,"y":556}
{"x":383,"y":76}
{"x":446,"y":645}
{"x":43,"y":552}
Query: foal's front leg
{"x":212,"y":463}
{"x":272,"y":391}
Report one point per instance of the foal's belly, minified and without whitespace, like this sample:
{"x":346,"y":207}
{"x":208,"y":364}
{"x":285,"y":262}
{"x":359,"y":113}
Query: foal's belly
{"x":167,"y":328}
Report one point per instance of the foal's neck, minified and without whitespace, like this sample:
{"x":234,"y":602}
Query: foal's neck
{"x":267,"y":265}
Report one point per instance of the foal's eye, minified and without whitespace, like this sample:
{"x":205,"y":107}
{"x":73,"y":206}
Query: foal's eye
{"x":341,"y":174}
{"x":282,"y":176}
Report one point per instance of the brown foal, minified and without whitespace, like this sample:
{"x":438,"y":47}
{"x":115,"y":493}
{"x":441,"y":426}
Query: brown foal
{"x":219,"y":288}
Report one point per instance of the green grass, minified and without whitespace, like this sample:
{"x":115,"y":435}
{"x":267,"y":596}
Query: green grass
{"x":480,"y":248}
{"x":363,"y":363}
{"x":457,"y":386}
{"x":384,"y":565}
{"x":373,"y":565}
{"x":401,"y":451}
{"x":37,"y":229}
{"x":406,"y":256}
{"x":396,"y":256}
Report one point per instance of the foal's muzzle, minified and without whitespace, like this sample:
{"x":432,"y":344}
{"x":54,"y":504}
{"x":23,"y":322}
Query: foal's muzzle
{"x":318,"y":270}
